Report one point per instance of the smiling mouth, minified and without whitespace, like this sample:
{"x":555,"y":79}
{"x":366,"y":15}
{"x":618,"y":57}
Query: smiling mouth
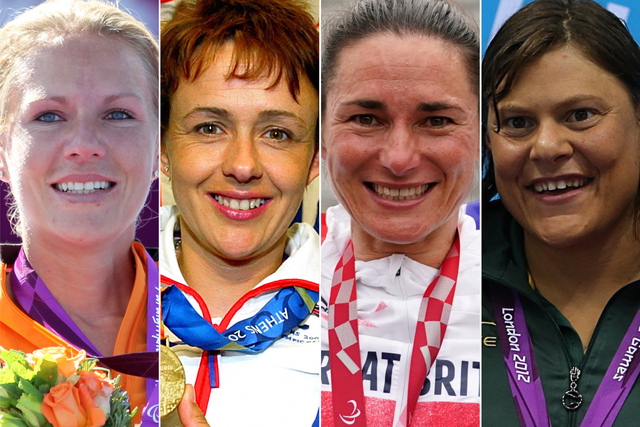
{"x":83,"y":187}
{"x":559,"y":186}
{"x":396,"y":194}
{"x":239,"y":204}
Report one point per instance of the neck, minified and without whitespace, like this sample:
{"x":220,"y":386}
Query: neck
{"x":430,"y":251}
{"x":581,"y":280}
{"x":93,"y":284}
{"x":222,"y":282}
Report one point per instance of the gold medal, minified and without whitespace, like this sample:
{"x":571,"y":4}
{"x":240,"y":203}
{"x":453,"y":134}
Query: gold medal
{"x":172,"y":386}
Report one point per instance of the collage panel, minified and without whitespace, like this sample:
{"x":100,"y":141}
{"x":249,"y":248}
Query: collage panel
{"x":79,"y":162}
{"x":561,"y":251}
{"x":401,"y":246}
{"x":239,"y":254}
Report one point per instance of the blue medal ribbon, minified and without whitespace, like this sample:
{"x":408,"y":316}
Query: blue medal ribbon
{"x":281,"y":315}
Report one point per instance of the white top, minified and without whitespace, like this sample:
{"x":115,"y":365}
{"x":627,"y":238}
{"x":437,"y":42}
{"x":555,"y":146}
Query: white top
{"x":389,"y":294}
{"x":280,"y":386}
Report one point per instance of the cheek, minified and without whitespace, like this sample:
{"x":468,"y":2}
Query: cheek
{"x":288,"y":171}
{"x":508,"y":159}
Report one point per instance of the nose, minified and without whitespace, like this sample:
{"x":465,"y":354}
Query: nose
{"x":83,"y":142}
{"x":401,"y":153}
{"x":552,"y":143}
{"x":241,"y":159}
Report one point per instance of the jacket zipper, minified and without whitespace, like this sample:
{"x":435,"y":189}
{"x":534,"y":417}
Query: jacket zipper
{"x":572,"y":415}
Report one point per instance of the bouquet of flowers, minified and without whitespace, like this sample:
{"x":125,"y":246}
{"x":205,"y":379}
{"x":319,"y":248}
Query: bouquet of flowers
{"x":59,"y":387}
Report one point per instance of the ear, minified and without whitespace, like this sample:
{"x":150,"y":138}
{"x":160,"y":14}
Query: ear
{"x":164,"y":162}
{"x":314,"y":168}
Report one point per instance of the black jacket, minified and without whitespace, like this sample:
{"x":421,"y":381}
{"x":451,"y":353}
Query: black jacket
{"x":556,"y":344}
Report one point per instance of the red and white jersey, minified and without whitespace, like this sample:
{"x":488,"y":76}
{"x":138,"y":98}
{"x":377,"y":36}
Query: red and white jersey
{"x":278,"y":387}
{"x":389,"y":294}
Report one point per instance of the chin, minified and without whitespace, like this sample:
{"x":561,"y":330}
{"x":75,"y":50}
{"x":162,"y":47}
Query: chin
{"x":559,"y":237}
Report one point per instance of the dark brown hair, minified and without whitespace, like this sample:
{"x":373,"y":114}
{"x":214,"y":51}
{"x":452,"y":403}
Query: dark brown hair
{"x":442,"y":19}
{"x":277,"y":38}
{"x":540,"y":27}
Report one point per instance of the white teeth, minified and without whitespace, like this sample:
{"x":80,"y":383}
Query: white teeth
{"x":82,"y":187}
{"x":405,"y":193}
{"x":239,"y":204}
{"x":540,"y":187}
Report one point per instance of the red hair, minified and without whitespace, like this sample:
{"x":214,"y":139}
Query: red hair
{"x":275,"y":38}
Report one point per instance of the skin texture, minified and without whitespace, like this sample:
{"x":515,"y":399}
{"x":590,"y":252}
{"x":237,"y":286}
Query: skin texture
{"x":82,"y":112}
{"x":567,"y":119}
{"x":239,"y":139}
{"x":555,"y":126}
{"x":401,"y":113}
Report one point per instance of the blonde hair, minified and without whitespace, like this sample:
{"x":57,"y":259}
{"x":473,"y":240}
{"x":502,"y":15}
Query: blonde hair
{"x":52,"y":22}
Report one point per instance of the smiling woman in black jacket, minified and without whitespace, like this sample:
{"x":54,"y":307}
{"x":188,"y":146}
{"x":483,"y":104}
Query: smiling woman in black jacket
{"x":561,"y":247}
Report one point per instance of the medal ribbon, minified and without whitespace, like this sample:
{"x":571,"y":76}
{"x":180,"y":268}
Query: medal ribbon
{"x":283,"y":313}
{"x":273,"y":321}
{"x":529,"y":396}
{"x":37,"y":301}
{"x":344,"y":345}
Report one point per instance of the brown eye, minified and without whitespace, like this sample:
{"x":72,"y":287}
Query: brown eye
{"x":437,"y":121}
{"x":365,"y":119}
{"x":580,"y":115}
{"x":209,"y":129}
{"x":277,"y":134}
{"x":518,"y":122}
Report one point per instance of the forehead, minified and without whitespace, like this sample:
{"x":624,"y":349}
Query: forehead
{"x":562,"y":72}
{"x":214,"y":87}
{"x":83,"y":64}
{"x":409,"y":65}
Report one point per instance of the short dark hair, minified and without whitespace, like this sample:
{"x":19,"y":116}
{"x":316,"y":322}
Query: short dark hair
{"x":540,"y":27}
{"x":442,"y":19}
{"x":272,"y":37}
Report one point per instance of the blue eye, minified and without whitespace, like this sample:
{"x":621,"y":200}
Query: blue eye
{"x":48,"y":117}
{"x":119,"y":115}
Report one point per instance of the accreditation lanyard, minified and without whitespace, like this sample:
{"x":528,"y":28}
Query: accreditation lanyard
{"x":524,"y":379}
{"x":37,"y":301}
{"x":344,"y":345}
{"x":292,"y":304}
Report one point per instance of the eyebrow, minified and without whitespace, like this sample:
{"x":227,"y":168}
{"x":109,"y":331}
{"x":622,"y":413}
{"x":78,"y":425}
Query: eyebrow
{"x":209,"y":111}
{"x":513,"y":107}
{"x":369,"y":104}
{"x":115,"y":97}
{"x":429,"y":107}
{"x":268,"y":115}
{"x":423,"y":106}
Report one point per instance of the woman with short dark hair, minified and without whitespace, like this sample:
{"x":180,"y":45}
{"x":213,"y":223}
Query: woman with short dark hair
{"x":400,"y":263}
{"x":561,"y":249}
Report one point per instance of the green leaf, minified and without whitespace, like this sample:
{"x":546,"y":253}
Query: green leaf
{"x":10,"y":420}
{"x":31,"y":407}
{"x":30,"y":389}
{"x":47,"y":373}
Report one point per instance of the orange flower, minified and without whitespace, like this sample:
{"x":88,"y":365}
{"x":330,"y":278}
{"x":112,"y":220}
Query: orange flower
{"x":97,"y":417}
{"x":67,"y":363}
{"x":62,"y":407}
{"x":99,"y":388}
